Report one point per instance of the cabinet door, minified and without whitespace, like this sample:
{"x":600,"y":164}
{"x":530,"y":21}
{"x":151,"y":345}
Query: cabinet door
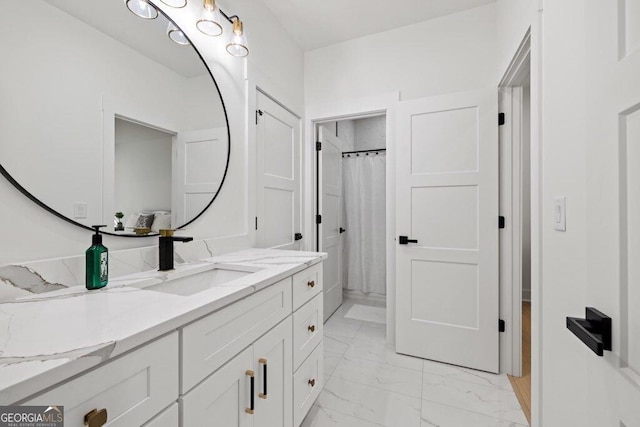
{"x":273,"y":355}
{"x":222,"y":399}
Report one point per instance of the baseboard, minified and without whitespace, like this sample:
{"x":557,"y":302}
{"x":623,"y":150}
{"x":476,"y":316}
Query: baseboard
{"x":358,"y":297}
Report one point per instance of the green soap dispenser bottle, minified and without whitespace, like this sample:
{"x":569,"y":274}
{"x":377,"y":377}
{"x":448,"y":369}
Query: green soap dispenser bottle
{"x":97,"y":259}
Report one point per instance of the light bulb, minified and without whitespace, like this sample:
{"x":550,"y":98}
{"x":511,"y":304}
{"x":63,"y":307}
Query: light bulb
{"x":238,"y":46}
{"x":176,"y":35}
{"x":175,"y":3}
{"x":209,"y":22}
{"x":142,"y":8}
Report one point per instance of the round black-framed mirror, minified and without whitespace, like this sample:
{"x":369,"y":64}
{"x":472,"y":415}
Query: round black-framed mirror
{"x":139,"y":138}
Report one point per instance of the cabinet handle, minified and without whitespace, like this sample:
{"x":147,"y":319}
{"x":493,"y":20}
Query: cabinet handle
{"x":96,"y":418}
{"x":312,"y":382}
{"x":251,"y":375}
{"x":312,"y":328}
{"x":263,"y":395}
{"x":311,"y":283}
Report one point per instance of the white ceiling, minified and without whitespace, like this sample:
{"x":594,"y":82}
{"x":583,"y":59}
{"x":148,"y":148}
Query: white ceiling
{"x":318,"y":23}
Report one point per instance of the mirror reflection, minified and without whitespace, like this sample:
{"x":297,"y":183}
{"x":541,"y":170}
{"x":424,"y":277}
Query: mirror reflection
{"x":102,"y":113}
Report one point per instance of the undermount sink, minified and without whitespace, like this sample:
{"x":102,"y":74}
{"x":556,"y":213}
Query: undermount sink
{"x":199,"y":282}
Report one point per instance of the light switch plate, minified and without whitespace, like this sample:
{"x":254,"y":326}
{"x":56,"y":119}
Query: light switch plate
{"x":560,"y":213}
{"x":79,"y":210}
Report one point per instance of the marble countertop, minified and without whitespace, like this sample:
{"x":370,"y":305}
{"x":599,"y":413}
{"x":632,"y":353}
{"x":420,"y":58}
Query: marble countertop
{"x":49,"y":337}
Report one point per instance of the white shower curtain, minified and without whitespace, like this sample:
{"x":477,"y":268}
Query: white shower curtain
{"x":364,"y":207}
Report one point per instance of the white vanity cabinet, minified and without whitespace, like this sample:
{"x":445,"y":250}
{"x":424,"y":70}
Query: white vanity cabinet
{"x":228,"y":398}
{"x":279,"y":327}
{"x":255,"y":363}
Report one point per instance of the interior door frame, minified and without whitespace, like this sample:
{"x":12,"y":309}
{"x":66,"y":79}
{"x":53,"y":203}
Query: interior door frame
{"x":529,"y":53}
{"x":383,"y":104}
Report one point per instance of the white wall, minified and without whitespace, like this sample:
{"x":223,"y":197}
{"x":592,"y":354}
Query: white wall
{"x":448,"y":54}
{"x":370,"y":133}
{"x":142,"y":163}
{"x":30,"y":233}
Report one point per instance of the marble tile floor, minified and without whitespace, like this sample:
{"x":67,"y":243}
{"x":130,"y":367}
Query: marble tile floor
{"x":367,"y":384}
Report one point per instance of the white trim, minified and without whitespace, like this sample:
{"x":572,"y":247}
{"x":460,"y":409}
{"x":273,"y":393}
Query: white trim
{"x":348,"y":109}
{"x":533,"y":38}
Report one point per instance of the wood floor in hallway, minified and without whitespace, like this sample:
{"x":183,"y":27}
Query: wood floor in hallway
{"x":522,"y":385}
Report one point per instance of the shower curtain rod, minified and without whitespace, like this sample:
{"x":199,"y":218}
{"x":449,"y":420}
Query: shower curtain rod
{"x":363,"y":151}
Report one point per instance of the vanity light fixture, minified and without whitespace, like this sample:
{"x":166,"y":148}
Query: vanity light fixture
{"x":209,"y":22}
{"x":142,"y":8}
{"x":238,"y":46}
{"x":175,"y":3}
{"x":176,"y":35}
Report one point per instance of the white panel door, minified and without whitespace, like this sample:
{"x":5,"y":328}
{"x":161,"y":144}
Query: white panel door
{"x":200,"y":160}
{"x":330,"y":236}
{"x":447,"y":201}
{"x":613,"y":207}
{"x":278,"y":177}
{"x":273,"y":360}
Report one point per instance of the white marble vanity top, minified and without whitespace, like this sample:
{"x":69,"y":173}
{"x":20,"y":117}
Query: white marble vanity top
{"x":49,"y":337}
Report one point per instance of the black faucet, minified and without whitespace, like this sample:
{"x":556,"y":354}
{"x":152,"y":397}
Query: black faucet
{"x":166,"y":248}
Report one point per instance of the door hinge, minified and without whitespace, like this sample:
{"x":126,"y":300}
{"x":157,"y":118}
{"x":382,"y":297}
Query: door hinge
{"x":501,"y":119}
{"x":501,"y":222}
{"x":318,"y":219}
{"x":501,"y":325}
{"x":256,"y":223}
{"x":318,"y":146}
{"x":258,"y":113}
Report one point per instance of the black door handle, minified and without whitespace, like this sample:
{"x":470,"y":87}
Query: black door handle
{"x":297,"y":236}
{"x":342,"y":230}
{"x":594,"y":330}
{"x":404,"y":240}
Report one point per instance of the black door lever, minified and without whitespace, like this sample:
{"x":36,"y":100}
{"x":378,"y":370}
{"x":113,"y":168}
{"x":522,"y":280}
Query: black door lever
{"x":404,"y":240}
{"x":342,"y":230}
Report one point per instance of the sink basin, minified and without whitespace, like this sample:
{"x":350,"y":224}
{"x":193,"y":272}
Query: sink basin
{"x":199,"y":282}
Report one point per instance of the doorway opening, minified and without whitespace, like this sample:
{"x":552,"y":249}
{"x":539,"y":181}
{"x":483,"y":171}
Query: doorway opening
{"x":351,"y":208}
{"x":516,"y":234}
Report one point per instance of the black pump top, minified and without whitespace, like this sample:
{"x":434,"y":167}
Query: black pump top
{"x":97,"y":238}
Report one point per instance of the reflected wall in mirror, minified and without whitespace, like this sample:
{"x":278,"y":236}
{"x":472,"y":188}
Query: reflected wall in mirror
{"x":101,"y":112}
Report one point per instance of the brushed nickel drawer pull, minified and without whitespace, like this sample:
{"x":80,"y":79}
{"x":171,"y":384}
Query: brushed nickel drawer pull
{"x":96,"y":418}
{"x":312,"y":328}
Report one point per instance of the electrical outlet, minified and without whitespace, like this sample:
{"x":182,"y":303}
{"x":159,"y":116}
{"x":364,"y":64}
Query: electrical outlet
{"x":80,"y":210}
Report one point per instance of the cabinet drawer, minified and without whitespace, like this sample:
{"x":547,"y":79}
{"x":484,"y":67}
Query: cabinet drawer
{"x":306,"y":285}
{"x":167,"y":418}
{"x":304,"y":393}
{"x":209,"y":343}
{"x":307,"y":330}
{"x":132,"y":388}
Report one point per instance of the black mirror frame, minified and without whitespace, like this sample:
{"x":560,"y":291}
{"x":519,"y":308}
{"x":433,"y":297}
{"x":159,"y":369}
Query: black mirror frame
{"x":49,"y":209}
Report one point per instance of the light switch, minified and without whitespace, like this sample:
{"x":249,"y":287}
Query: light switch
{"x":560,"y":213}
{"x":79,"y":210}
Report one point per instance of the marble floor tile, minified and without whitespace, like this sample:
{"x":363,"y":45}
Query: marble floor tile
{"x":323,"y":417}
{"x":488,"y":400}
{"x":379,"y":352}
{"x":371,"y":404}
{"x":372,"y":332}
{"x":341,"y":327}
{"x":336,"y":345}
{"x":367,"y":313}
{"x":379,"y":375}
{"x":436,"y":415}
{"x":464,"y":374}
{"x":331,"y":361}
